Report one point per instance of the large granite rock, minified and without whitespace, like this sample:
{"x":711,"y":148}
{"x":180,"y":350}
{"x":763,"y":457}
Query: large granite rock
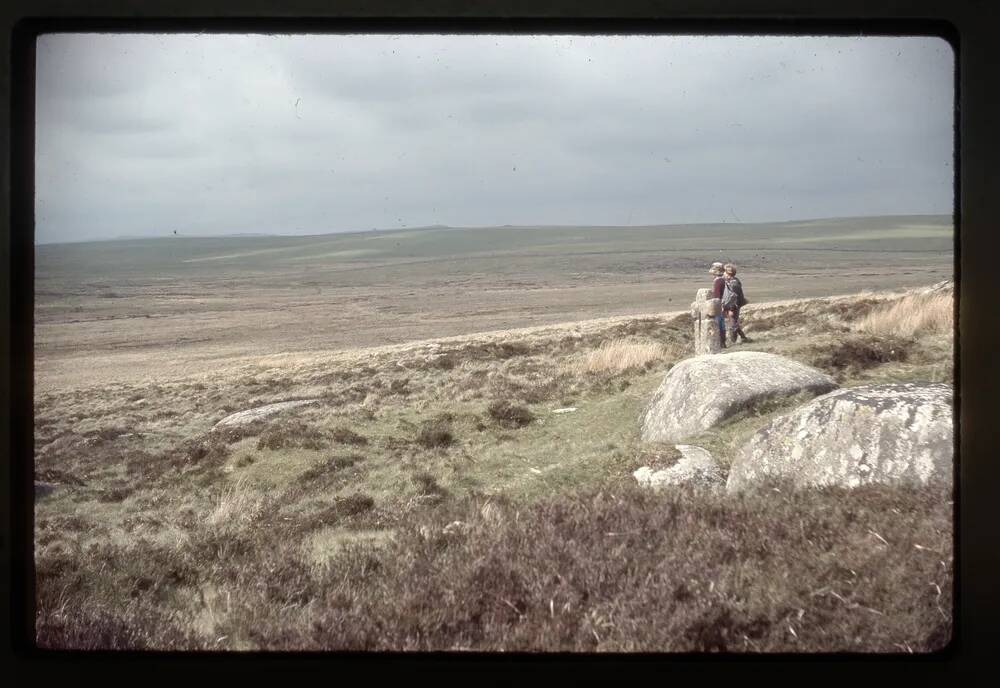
{"x":696,"y":467}
{"x":250,"y":415}
{"x":700,"y":392}
{"x":891,"y":433}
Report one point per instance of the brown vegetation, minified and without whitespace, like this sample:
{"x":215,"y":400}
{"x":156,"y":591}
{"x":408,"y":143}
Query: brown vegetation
{"x":210,"y":449}
{"x":857,"y":571}
{"x":331,"y":465}
{"x":291,"y":434}
{"x":427,"y":485}
{"x":497,"y":350}
{"x":859,"y":353}
{"x":435,"y":433}
{"x":348,"y":436}
{"x":342,"y":508}
{"x":509,"y":415}
{"x":767,"y":321}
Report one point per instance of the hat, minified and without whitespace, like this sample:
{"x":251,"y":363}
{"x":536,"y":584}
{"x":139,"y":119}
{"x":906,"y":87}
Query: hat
{"x":716,"y":269}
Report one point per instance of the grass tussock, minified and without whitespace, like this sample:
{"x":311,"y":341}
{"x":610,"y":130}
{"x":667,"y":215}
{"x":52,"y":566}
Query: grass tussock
{"x":238,"y":505}
{"x":436,"y":433}
{"x":354,"y":504}
{"x":347,"y":436}
{"x":291,"y":434}
{"x":620,"y":354}
{"x":912,"y":315}
{"x":346,"y":461}
{"x":429,"y":488}
{"x":342,"y":508}
{"x":330,"y":466}
{"x":444,"y":361}
{"x":509,"y":415}
{"x":868,"y":570}
{"x":400,"y":387}
{"x":209,"y":450}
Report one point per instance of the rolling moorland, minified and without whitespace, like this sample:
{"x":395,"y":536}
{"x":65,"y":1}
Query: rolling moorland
{"x":128,"y":310}
{"x":432,"y":498}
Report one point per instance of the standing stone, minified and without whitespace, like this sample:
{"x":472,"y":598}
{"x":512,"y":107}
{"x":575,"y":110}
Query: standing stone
{"x":706,"y":329}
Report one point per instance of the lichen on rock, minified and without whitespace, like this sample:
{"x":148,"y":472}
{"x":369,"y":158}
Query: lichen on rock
{"x":696,"y":467}
{"x":700,"y":392}
{"x":897,"y":433}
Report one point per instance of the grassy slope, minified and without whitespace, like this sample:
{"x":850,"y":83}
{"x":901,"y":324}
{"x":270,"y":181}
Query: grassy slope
{"x":338,"y":542}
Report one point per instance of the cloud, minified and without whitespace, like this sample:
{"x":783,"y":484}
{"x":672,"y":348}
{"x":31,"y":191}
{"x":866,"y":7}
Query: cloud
{"x":230,"y":133}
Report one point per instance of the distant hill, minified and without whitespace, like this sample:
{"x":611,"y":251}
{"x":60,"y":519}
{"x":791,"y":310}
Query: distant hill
{"x":833,"y":227}
{"x":238,"y":234}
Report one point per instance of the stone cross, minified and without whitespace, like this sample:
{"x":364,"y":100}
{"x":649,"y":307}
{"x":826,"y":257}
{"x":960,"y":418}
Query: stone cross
{"x":706,"y":329}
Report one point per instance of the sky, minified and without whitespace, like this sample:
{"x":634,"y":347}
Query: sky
{"x":147,"y":134}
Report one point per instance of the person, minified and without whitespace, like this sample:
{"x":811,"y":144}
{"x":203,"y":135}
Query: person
{"x":732,"y":300}
{"x":718,"y":287}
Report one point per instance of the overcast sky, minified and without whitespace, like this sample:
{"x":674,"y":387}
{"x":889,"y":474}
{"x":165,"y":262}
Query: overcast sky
{"x":215,"y":134}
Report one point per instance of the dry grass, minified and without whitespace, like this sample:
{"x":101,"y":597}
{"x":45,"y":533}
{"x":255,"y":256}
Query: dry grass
{"x":239,"y":505}
{"x":620,"y":354}
{"x":917,"y":313}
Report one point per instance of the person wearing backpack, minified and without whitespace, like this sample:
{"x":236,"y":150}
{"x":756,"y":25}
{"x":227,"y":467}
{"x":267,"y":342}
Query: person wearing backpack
{"x":732,"y":301}
{"x":718,"y":287}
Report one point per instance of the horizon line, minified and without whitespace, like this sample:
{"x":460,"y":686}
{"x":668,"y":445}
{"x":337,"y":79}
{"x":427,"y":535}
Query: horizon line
{"x":501,"y":226}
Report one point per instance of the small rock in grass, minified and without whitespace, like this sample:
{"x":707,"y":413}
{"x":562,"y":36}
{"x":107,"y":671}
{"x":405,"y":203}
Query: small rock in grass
{"x":250,"y":415}
{"x":695,"y":467}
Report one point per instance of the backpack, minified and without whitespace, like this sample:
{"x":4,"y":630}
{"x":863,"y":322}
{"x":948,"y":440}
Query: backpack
{"x":730,"y":296}
{"x":739,"y":293}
